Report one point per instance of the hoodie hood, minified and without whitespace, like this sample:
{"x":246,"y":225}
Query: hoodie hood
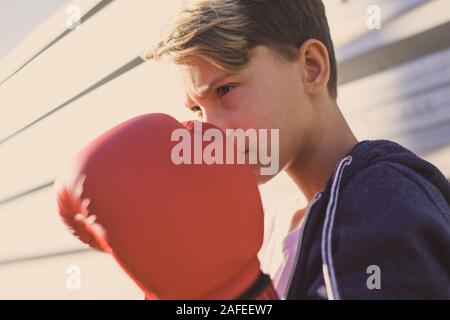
{"x":370,"y":152}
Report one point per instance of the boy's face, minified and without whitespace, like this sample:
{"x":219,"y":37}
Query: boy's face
{"x":266,"y":94}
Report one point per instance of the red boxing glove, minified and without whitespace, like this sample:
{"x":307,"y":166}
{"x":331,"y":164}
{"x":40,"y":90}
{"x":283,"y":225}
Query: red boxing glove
{"x":74,"y":213}
{"x":186,"y":231}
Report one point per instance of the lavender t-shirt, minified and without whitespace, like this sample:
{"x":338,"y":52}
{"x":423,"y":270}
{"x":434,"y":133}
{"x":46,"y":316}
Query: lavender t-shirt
{"x":284,"y":273}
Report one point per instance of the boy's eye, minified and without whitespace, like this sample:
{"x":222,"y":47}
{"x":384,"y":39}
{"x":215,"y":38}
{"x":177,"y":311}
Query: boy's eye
{"x":224,"y":90}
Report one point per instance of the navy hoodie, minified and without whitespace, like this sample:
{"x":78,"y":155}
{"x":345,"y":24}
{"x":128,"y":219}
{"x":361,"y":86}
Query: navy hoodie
{"x":384,"y":213}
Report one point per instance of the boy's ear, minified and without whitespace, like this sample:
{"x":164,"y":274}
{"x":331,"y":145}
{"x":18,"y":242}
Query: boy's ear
{"x":314,"y":59}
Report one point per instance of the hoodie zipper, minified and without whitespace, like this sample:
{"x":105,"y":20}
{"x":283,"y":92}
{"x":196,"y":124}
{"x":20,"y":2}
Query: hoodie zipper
{"x":327,"y":231}
{"x":336,"y":177}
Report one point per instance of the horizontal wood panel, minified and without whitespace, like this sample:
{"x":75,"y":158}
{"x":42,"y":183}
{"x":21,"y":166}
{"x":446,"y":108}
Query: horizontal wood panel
{"x":80,"y":60}
{"x":403,"y":103}
{"x":408,"y":103}
{"x":41,"y":152}
{"x":399,"y":20}
{"x":34,"y":228}
{"x":410,"y":79}
{"x":348,"y":19}
{"x":100,"y":278}
{"x":42,"y":35}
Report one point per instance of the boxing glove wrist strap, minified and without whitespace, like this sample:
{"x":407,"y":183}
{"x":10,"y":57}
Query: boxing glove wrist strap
{"x":262,"y":289}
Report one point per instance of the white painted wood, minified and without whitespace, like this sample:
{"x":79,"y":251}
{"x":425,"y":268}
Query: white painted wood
{"x":408,"y":103}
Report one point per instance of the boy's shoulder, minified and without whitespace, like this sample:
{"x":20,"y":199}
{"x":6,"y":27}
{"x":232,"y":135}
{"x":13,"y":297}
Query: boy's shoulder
{"x":389,"y":180}
{"x":388,"y":192}
{"x":391,"y":216}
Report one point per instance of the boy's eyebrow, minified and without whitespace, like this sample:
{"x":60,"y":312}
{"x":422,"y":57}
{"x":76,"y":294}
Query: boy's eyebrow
{"x":203,"y":90}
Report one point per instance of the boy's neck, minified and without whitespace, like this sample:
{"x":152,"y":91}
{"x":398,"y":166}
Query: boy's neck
{"x":331,"y":140}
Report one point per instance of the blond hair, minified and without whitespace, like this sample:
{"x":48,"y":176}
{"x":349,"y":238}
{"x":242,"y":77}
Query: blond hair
{"x":224,"y":31}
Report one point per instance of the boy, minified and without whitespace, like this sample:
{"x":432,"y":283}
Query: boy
{"x":378,"y":221}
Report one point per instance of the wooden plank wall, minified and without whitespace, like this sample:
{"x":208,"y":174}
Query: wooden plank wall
{"x":60,"y":88}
